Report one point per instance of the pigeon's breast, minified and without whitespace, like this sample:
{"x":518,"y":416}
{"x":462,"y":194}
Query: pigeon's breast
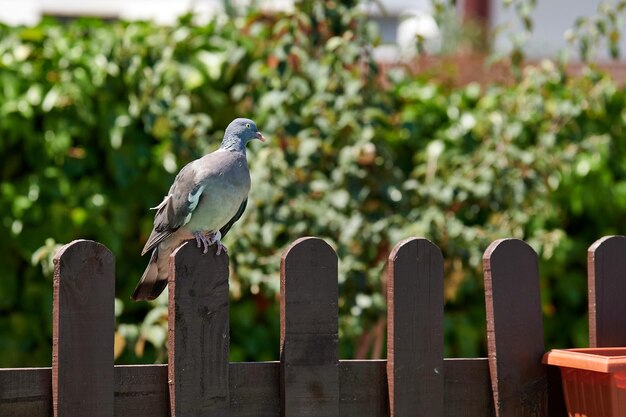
{"x":224,"y":191}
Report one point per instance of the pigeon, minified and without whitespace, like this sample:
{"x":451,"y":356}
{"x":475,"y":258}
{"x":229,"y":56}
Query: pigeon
{"x":207,"y":197}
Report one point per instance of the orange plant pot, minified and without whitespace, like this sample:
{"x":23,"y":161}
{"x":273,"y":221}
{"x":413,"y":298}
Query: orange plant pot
{"x":594,"y":380}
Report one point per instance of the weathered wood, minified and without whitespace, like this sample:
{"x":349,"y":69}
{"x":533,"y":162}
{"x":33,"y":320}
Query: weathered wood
{"x":26,"y":392}
{"x":415,"y":329}
{"x":515,"y":329}
{"x":83,"y":328}
{"x":309,"y":330}
{"x":254,"y":390}
{"x":141,"y":391}
{"x":198,"y":333}
{"x":363,"y":388}
{"x":467,"y":388}
{"x":606,"y":274}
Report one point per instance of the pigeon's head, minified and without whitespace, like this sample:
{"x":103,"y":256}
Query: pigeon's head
{"x":242,"y":131}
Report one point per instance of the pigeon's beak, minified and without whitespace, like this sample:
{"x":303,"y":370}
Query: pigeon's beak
{"x":260,"y":137}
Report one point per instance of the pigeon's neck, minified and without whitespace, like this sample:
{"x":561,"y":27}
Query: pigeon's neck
{"x":233,"y":143}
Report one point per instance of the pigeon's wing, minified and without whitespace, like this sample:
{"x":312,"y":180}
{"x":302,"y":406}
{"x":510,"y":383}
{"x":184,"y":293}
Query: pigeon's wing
{"x":236,"y":217}
{"x":175,"y":210}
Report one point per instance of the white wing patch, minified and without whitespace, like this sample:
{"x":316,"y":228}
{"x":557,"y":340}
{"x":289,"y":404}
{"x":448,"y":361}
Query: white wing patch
{"x":187,"y":219}
{"x":162,"y":203}
{"x":194,"y":199}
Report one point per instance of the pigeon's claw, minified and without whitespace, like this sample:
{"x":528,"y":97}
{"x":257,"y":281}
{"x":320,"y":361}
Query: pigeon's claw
{"x":221,"y":248}
{"x":204,"y":240}
{"x":216,"y":239}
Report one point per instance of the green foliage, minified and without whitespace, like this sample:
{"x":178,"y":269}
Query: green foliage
{"x":96,"y":118}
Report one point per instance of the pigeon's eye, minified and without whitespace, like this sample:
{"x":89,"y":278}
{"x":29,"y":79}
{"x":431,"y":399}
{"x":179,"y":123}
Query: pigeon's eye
{"x":248,"y":125}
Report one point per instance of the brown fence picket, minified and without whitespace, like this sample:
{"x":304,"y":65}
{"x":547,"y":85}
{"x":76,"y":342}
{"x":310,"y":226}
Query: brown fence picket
{"x":83,"y":329}
{"x":415,"y":329}
{"x":515,"y":329}
{"x":198,"y":333}
{"x":309,"y":330}
{"x":606,"y":272}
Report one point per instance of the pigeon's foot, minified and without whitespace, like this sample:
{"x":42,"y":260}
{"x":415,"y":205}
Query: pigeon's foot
{"x":216,"y":239}
{"x":206,"y":239}
{"x":203,"y":240}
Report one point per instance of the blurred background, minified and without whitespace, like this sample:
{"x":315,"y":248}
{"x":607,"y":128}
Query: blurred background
{"x":460,"y":121}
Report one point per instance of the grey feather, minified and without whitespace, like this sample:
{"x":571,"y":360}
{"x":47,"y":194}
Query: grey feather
{"x":171,"y":215}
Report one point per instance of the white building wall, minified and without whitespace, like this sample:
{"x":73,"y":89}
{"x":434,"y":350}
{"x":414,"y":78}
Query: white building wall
{"x":551,"y":18}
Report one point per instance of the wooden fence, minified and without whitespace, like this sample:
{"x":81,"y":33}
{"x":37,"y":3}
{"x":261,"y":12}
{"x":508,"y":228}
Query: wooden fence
{"x":309,"y":379}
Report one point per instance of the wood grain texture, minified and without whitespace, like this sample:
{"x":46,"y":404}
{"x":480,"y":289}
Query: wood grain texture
{"x":515,"y":329}
{"x":309,"y":330}
{"x":26,"y":392}
{"x":142,"y":390}
{"x":83,"y":328}
{"x":198,"y":341}
{"x":467,"y":388}
{"x":358,"y":397}
{"x":606,"y":274}
{"x":415,"y":329}
{"x":255,"y":389}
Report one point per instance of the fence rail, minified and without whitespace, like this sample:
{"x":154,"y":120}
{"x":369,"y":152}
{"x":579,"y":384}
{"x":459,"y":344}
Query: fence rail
{"x":309,"y":379}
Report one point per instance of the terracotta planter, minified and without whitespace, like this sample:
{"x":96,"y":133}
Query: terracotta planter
{"x":594,"y":380}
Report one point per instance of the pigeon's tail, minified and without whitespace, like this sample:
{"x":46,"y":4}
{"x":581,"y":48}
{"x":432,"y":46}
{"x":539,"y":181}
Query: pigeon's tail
{"x":152,"y":282}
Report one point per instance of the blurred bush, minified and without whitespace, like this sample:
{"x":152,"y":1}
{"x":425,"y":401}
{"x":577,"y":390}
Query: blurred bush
{"x":96,"y":118}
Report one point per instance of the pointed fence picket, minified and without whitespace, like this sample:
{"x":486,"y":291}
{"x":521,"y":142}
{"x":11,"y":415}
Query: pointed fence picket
{"x":309,"y":379}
